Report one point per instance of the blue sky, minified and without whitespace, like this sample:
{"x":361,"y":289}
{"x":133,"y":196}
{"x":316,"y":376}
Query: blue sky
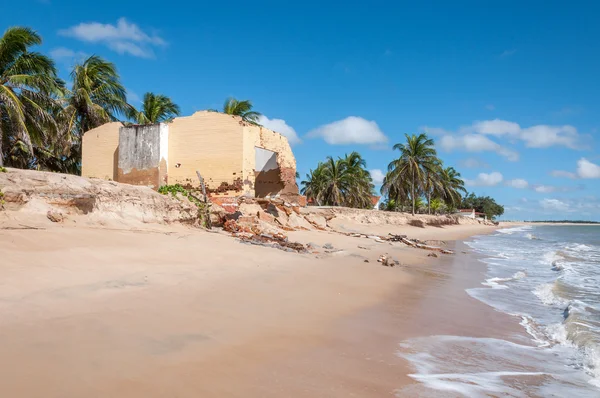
{"x":509,"y":90}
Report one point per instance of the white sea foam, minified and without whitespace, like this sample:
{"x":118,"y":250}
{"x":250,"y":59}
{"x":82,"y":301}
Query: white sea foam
{"x":510,"y":231}
{"x":483,"y":367}
{"x":545,"y":293}
{"x":551,"y":285}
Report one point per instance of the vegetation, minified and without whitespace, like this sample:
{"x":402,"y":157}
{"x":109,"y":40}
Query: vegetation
{"x":29,"y":89}
{"x":203,"y":208}
{"x":419,"y":172}
{"x":156,"y":108}
{"x":340,"y":182}
{"x":2,"y":169}
{"x":482,"y":204}
{"x":414,"y":172}
{"x":243,"y":108}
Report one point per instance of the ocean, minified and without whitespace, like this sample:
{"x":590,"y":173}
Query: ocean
{"x":548,"y":277}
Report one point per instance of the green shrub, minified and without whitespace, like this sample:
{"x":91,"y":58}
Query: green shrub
{"x":2,"y":169}
{"x":203,"y":208}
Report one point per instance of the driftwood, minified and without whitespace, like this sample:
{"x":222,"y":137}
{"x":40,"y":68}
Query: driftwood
{"x":398,"y":238}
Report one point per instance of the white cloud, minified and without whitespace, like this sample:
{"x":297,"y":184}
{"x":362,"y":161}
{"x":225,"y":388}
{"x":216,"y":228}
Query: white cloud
{"x":587,"y":169}
{"x":538,"y":136}
{"x":518,"y":183}
{"x":562,"y":173}
{"x":377,"y":176}
{"x":351,"y":130}
{"x":476,"y":143}
{"x":496,"y":127}
{"x":280,"y":126}
{"x":485,"y":179}
{"x":554,"y":204}
{"x":123,"y":38}
{"x":473,"y":163}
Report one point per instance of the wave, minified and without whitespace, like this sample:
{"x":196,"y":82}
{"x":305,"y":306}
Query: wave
{"x":495,"y":283}
{"x":547,"y":294}
{"x":512,"y":230}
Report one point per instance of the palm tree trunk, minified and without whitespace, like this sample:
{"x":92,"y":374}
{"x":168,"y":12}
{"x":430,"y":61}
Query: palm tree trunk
{"x":428,"y":202}
{"x":413,"y":194}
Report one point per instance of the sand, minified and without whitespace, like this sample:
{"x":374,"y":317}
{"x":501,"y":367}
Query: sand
{"x":164,"y":311}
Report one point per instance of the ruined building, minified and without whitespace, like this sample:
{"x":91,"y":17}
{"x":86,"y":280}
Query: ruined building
{"x":234,"y":157}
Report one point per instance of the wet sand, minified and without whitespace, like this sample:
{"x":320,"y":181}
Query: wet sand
{"x":167,"y":312}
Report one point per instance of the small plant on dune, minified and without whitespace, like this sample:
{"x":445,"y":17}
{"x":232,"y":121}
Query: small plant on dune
{"x":2,"y":169}
{"x":203,"y":208}
{"x":2,"y":200}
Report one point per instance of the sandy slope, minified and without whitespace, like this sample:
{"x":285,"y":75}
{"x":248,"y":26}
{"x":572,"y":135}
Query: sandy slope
{"x":171,"y":311}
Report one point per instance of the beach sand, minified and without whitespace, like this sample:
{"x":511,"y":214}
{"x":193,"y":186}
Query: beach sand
{"x":165,"y":311}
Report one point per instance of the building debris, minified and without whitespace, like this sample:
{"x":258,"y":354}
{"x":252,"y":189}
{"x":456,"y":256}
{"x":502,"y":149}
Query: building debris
{"x":55,"y":216}
{"x":387,"y":260}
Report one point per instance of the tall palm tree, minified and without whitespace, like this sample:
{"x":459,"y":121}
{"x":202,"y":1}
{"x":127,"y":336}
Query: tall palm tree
{"x":156,"y":108}
{"x":28,"y":86}
{"x":96,"y":97}
{"x":417,"y":158}
{"x":243,"y":108}
{"x":451,"y":186}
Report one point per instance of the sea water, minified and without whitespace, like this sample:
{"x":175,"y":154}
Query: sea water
{"x":549,"y":278}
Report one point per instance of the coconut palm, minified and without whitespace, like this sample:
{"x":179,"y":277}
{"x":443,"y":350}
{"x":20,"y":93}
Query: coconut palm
{"x":243,"y":108}
{"x":96,"y":97}
{"x":340,"y":182}
{"x":418,"y":157}
{"x":28,"y":87}
{"x":156,"y":108}
{"x":451,"y":186}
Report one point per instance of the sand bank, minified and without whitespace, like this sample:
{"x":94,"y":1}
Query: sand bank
{"x":162,"y":311}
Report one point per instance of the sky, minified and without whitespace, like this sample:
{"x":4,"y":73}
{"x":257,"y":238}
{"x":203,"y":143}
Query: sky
{"x":509,"y":90}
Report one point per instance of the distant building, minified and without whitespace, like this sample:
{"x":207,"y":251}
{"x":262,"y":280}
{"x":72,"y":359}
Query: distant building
{"x":234,"y":157}
{"x":471,"y":213}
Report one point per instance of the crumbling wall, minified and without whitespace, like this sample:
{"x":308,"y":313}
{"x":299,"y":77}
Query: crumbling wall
{"x":211,"y":143}
{"x":283,"y":180}
{"x":143,"y":155}
{"x":100,"y":153}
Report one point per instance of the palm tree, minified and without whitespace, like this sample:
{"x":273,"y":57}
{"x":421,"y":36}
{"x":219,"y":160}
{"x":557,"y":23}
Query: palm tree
{"x":156,"y":108}
{"x":340,"y":182}
{"x":417,"y":158}
{"x":28,"y":87}
{"x":451,"y":186}
{"x":233,"y":106}
{"x":96,"y":97}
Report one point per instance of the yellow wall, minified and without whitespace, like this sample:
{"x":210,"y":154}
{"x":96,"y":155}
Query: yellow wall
{"x":99,"y":152}
{"x":220,"y":146}
{"x":209,"y":142}
{"x":262,"y":137}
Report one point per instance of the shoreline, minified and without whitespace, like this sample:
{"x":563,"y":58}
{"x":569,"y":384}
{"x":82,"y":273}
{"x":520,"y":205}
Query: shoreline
{"x":178,"y":311}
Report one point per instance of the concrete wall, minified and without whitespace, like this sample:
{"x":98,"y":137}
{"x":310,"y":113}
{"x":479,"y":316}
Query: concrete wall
{"x":281,"y":181}
{"x":211,"y":143}
{"x":100,"y":152}
{"x":143,"y":155}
